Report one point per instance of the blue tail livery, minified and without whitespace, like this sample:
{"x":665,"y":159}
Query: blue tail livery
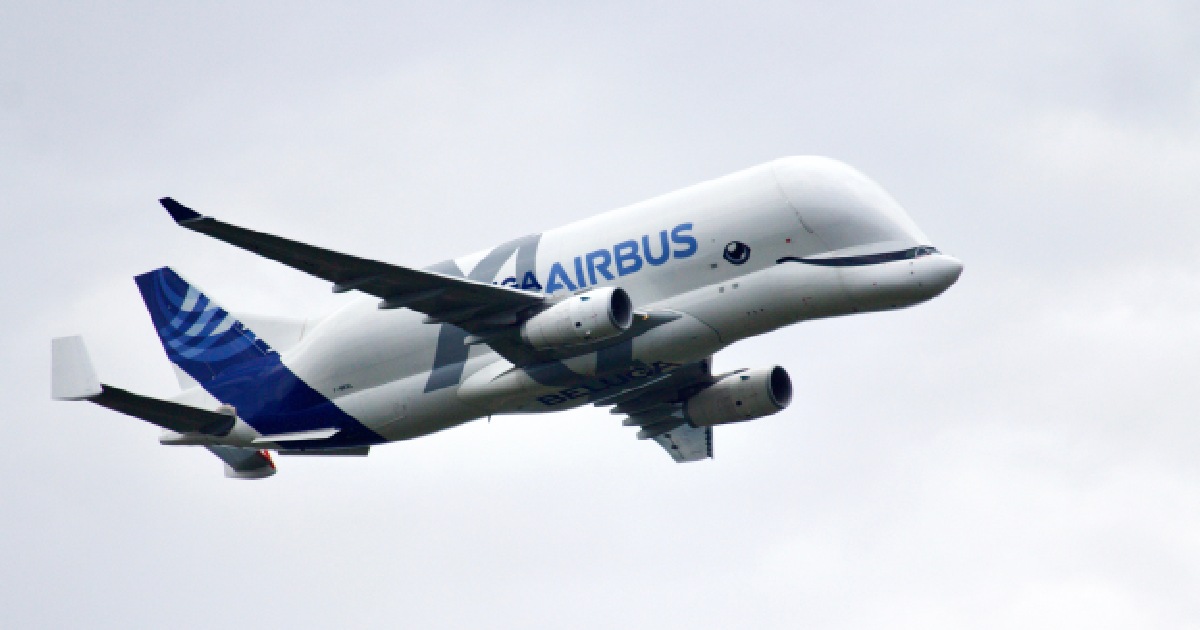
{"x":239,"y":369}
{"x":198,"y":335}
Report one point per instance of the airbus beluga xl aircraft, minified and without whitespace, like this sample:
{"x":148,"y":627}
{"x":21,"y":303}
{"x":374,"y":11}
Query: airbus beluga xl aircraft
{"x":623,"y":310}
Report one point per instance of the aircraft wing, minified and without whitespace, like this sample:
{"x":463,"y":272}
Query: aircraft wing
{"x":687,"y":443}
{"x":657,"y":408}
{"x":244,"y":463}
{"x":476,"y":307}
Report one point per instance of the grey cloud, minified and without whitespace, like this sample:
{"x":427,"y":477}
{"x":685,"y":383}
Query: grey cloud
{"x":1018,"y":452}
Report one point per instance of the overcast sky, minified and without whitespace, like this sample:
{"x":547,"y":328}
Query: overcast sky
{"x":1019,"y":453}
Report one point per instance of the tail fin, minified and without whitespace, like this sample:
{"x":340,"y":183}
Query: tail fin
{"x":199,"y":336}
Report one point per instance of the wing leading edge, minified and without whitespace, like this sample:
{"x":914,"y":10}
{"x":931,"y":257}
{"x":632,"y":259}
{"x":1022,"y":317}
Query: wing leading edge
{"x":476,"y":307}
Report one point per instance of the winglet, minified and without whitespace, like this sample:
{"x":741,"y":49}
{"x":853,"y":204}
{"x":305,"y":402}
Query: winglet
{"x":178,"y":211}
{"x":72,"y":374}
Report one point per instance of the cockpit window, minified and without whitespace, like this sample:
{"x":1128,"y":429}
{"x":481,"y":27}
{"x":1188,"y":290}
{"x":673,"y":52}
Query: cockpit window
{"x":923,"y":251}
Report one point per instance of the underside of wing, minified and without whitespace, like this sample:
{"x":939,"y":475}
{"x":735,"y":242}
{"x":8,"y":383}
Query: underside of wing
{"x":657,"y":409}
{"x":477,"y":307}
{"x":244,"y":463}
{"x":687,"y":443}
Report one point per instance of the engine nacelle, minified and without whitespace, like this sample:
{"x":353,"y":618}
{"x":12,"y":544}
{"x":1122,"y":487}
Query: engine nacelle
{"x":740,"y":397}
{"x":592,"y":316}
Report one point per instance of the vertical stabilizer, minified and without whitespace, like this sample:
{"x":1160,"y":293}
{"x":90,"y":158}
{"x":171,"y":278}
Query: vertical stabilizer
{"x":198,"y":335}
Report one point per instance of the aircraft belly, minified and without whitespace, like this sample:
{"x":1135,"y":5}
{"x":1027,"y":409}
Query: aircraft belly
{"x":555,"y":386}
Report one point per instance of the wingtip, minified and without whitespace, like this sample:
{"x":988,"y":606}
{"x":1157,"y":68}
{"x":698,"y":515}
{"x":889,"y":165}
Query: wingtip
{"x":179,"y":212}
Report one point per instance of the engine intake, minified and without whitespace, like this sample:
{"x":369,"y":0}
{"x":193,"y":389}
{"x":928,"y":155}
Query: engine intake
{"x":740,"y":397}
{"x":593,"y":316}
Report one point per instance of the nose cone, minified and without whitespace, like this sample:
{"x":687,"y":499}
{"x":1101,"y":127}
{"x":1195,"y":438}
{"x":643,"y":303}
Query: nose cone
{"x":941,"y":272}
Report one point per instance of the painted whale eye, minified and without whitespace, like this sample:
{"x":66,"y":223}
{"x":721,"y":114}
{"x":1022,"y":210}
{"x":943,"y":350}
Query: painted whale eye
{"x":737,"y":252}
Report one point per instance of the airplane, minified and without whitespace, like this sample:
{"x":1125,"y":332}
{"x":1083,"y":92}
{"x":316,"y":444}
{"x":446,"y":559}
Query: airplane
{"x":623,"y":310}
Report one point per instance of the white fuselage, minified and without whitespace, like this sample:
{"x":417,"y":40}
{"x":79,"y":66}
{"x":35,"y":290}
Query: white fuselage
{"x":801,"y":234}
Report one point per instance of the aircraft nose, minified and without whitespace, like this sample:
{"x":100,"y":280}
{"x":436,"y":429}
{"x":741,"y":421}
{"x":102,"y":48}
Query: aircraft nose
{"x":946,"y":270}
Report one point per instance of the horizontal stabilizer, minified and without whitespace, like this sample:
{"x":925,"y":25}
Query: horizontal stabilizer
{"x":349,"y":451}
{"x":244,"y":463}
{"x":164,"y":413}
{"x":72,"y":374}
{"x":313,"y":434}
{"x":74,"y":378}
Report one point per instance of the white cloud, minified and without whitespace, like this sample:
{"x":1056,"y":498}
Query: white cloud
{"x":1019,"y":451}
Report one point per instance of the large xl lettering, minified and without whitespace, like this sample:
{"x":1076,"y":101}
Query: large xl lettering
{"x":451,"y":353}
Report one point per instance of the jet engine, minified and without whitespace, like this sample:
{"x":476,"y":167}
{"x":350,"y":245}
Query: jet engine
{"x":592,"y":316}
{"x":741,"y":396}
